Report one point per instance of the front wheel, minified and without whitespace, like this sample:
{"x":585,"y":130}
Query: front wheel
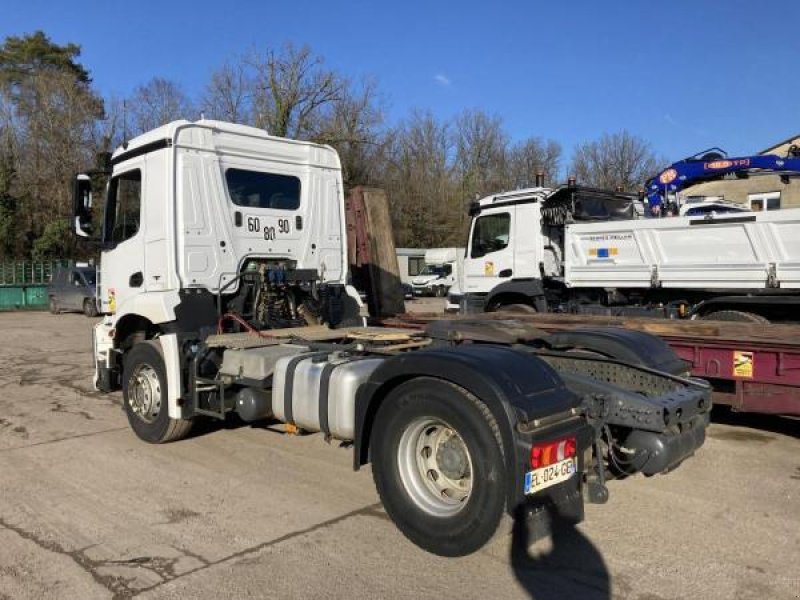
{"x":144,"y":390}
{"x":89,"y":307}
{"x":438,"y":466}
{"x":54,"y":306}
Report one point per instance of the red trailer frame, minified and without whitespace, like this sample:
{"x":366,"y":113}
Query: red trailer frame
{"x":753,"y":368}
{"x":749,"y":376}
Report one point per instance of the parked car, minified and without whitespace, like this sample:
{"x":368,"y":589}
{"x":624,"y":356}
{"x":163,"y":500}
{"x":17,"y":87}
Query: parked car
{"x":73,"y":289}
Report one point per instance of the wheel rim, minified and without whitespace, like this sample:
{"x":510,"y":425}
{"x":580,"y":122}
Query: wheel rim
{"x":144,"y":393}
{"x":435,"y":467}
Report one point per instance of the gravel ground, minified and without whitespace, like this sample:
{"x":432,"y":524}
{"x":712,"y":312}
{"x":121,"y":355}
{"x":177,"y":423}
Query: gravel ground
{"x":88,"y":511}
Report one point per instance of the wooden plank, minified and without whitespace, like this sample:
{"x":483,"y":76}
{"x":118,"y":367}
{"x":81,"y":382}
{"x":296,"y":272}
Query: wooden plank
{"x":787,"y":335}
{"x":372,"y":253}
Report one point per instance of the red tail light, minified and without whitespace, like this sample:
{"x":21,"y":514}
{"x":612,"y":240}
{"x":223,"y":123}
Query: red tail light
{"x":547,"y":453}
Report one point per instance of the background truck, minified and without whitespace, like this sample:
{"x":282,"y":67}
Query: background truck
{"x":440,"y":272}
{"x":581,"y":250}
{"x":223,"y":275}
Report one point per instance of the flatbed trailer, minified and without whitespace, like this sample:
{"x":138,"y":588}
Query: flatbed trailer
{"x":752,"y":368}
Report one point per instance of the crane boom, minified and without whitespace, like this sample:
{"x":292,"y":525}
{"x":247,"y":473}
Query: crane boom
{"x":715,"y":164}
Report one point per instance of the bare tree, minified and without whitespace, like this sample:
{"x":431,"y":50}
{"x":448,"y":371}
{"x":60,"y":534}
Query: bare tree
{"x":228,"y":94}
{"x":157,"y":102}
{"x":531,"y":157}
{"x":614,"y":161}
{"x":481,"y":152}
{"x":290,"y":90}
{"x":352,"y":125}
{"x":419,"y":181}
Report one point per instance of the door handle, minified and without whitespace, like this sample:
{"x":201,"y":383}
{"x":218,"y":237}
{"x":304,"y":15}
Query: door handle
{"x":136,"y":280}
{"x":504,"y":273}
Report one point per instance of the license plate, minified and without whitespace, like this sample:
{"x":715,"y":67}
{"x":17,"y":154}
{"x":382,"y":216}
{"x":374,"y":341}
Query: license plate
{"x":269,"y":228}
{"x":541,"y":479}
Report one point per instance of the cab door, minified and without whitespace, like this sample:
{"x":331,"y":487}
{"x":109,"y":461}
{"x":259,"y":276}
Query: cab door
{"x":490,"y":253}
{"x":123,"y":266}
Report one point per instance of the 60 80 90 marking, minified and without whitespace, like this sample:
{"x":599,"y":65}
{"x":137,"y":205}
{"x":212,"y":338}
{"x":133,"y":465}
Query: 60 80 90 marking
{"x":270,"y":232}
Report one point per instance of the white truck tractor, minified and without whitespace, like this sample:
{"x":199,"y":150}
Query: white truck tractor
{"x":439,"y":274}
{"x":223,"y":279}
{"x":582,"y":250}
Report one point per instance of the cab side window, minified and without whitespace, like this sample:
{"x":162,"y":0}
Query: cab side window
{"x":490,"y":234}
{"x":77,"y":280}
{"x":124,"y":207}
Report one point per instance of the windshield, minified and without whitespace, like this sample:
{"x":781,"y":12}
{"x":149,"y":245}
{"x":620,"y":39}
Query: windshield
{"x":89,"y":275}
{"x":438,"y":270}
{"x":704,"y":210}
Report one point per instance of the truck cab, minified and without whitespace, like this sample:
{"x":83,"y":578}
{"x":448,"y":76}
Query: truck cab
{"x":516,"y":242}
{"x":201,"y":217}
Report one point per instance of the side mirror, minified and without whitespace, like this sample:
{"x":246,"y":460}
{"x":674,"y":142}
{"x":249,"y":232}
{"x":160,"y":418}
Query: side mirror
{"x":82,"y":206}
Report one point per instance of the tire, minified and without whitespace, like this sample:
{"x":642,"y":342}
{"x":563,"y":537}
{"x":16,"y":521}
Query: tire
{"x":737,"y":316}
{"x":89,"y":308}
{"x":450,"y":513}
{"x":518,"y":308}
{"x":440,"y":291}
{"x":144,"y":392}
{"x":54,"y":310}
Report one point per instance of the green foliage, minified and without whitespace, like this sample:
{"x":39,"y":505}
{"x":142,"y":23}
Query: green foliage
{"x":8,"y":205}
{"x":28,"y":55}
{"x":55,"y":241}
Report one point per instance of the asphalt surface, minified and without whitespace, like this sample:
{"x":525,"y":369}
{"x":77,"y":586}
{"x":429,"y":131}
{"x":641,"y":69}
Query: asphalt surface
{"x":89,"y":511}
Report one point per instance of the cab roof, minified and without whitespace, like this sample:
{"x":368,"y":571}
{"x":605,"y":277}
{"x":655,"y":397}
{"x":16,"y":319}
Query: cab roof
{"x":168,"y":135}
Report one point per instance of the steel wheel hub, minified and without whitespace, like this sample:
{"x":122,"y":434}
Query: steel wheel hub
{"x":144,"y":393}
{"x":435,"y":466}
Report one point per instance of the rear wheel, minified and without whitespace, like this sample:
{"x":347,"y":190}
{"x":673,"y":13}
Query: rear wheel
{"x":89,"y":307}
{"x":737,"y":316}
{"x":144,"y":390}
{"x":438,"y":466}
{"x":54,"y":310}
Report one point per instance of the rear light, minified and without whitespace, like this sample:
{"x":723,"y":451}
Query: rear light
{"x":547,"y":453}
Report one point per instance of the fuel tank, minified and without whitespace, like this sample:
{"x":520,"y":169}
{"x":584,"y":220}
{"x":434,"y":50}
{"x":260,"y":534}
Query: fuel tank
{"x":317,"y":390}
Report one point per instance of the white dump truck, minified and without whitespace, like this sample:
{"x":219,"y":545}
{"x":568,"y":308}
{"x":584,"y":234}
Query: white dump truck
{"x":223,"y":279}
{"x":582,"y":250}
{"x":439,"y":274}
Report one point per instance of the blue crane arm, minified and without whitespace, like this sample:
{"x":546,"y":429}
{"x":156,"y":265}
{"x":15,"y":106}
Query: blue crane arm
{"x":688,"y":172}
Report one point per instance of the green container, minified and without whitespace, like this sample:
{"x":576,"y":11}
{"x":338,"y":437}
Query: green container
{"x":23,"y":284}
{"x":23,"y":297}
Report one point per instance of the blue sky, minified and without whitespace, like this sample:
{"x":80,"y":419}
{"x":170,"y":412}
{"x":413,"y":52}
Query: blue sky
{"x":684,"y":75}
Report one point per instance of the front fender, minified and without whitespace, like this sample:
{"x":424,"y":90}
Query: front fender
{"x":517,"y":387}
{"x":532,"y":289}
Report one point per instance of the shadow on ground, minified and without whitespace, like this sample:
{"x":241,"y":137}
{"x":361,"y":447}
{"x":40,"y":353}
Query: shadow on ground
{"x":773,"y":423}
{"x":568,"y":565}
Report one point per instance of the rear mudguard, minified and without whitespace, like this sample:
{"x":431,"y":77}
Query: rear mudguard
{"x":517,"y":387}
{"x":634,"y":347}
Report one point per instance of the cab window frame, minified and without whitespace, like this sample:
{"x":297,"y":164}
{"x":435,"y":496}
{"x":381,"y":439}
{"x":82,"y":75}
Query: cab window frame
{"x":474,"y":250}
{"x":280,"y":182}
{"x":110,"y":222}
